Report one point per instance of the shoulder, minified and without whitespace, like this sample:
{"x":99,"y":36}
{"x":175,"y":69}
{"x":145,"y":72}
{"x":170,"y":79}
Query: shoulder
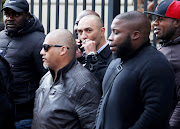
{"x":81,"y":76}
{"x":80,"y":82}
{"x":151,"y":55}
{"x":149,"y":61}
{"x":106,"y":52}
{"x":35,"y":36}
{"x":3,"y":34}
{"x":47,"y":75}
{"x":153,"y":63}
{"x":113,"y":65}
{"x":171,"y":51}
{"x":106,"y":55}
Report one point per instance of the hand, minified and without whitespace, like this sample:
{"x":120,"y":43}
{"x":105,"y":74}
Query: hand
{"x":89,"y":46}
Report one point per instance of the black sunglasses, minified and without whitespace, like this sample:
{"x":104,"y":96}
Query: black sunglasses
{"x":47,"y":46}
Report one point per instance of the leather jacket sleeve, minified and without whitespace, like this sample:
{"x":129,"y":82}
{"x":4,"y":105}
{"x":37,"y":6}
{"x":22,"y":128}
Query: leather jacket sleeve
{"x":88,"y":100}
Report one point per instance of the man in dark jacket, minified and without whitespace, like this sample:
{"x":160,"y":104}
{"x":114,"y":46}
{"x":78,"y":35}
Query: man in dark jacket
{"x":167,"y":28}
{"x":6,"y":99}
{"x":21,"y":42}
{"x":69,"y":95}
{"x":138,"y":88}
{"x":96,"y":50}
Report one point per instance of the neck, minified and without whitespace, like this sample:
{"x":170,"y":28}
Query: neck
{"x":175,"y":35}
{"x":55,"y":76}
{"x":65,"y":61}
{"x":103,"y":41}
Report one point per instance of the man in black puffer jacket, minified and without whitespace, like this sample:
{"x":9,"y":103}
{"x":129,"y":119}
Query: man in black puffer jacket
{"x":21,"y":42}
{"x":6,"y":100}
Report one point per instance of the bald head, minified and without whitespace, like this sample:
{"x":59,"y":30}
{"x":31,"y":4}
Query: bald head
{"x":91,"y":27}
{"x":89,"y":18}
{"x":137,"y":21}
{"x":81,"y":15}
{"x":63,"y":37}
{"x":85,"y":13}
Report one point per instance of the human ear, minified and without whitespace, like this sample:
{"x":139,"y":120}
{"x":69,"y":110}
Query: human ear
{"x":63,"y":50}
{"x":102,"y":31}
{"x":28,"y":15}
{"x":135,"y":35}
{"x":177,"y":23}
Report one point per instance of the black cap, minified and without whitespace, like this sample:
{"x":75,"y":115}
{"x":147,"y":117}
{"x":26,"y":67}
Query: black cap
{"x":16,"y":5}
{"x":168,"y":8}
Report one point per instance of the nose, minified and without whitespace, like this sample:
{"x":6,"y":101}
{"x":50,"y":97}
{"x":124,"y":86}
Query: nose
{"x":83,"y":36}
{"x":9,"y":17}
{"x":42,"y":52}
{"x":155,"y":22}
{"x":110,"y":37}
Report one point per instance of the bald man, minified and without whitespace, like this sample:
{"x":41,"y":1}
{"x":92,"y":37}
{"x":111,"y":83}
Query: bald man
{"x":96,"y":50}
{"x":69,"y":94}
{"x":138,"y":89}
{"x":81,"y":15}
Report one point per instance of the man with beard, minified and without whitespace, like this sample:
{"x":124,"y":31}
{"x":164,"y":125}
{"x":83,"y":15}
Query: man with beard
{"x":138,"y":88}
{"x":20,"y":44}
{"x":69,"y":95}
{"x":167,"y":28}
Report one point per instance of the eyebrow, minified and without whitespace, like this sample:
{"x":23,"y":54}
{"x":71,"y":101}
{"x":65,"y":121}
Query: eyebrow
{"x":159,"y":17}
{"x":87,"y":28}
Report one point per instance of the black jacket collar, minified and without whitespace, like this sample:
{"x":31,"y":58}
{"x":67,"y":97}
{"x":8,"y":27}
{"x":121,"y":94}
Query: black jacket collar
{"x":165,"y":43}
{"x":135,"y":52}
{"x":63,"y":71}
{"x":105,"y":52}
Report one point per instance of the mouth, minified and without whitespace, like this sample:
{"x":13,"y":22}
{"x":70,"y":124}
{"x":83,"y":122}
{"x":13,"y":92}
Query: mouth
{"x":10,"y":25}
{"x":157,"y":30}
{"x":43,"y":59}
{"x":112,"y":47}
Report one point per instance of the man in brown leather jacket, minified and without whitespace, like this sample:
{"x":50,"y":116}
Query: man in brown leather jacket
{"x":69,"y":94}
{"x":167,"y":28}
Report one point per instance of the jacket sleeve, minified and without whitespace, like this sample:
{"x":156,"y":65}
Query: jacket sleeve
{"x":88,"y":99}
{"x":156,"y":88}
{"x":172,"y":53}
{"x":98,"y":68}
{"x":38,"y":64}
{"x":6,"y":100}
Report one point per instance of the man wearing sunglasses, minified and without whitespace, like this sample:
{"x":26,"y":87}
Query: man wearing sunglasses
{"x":20,"y":44}
{"x":68,"y":95}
